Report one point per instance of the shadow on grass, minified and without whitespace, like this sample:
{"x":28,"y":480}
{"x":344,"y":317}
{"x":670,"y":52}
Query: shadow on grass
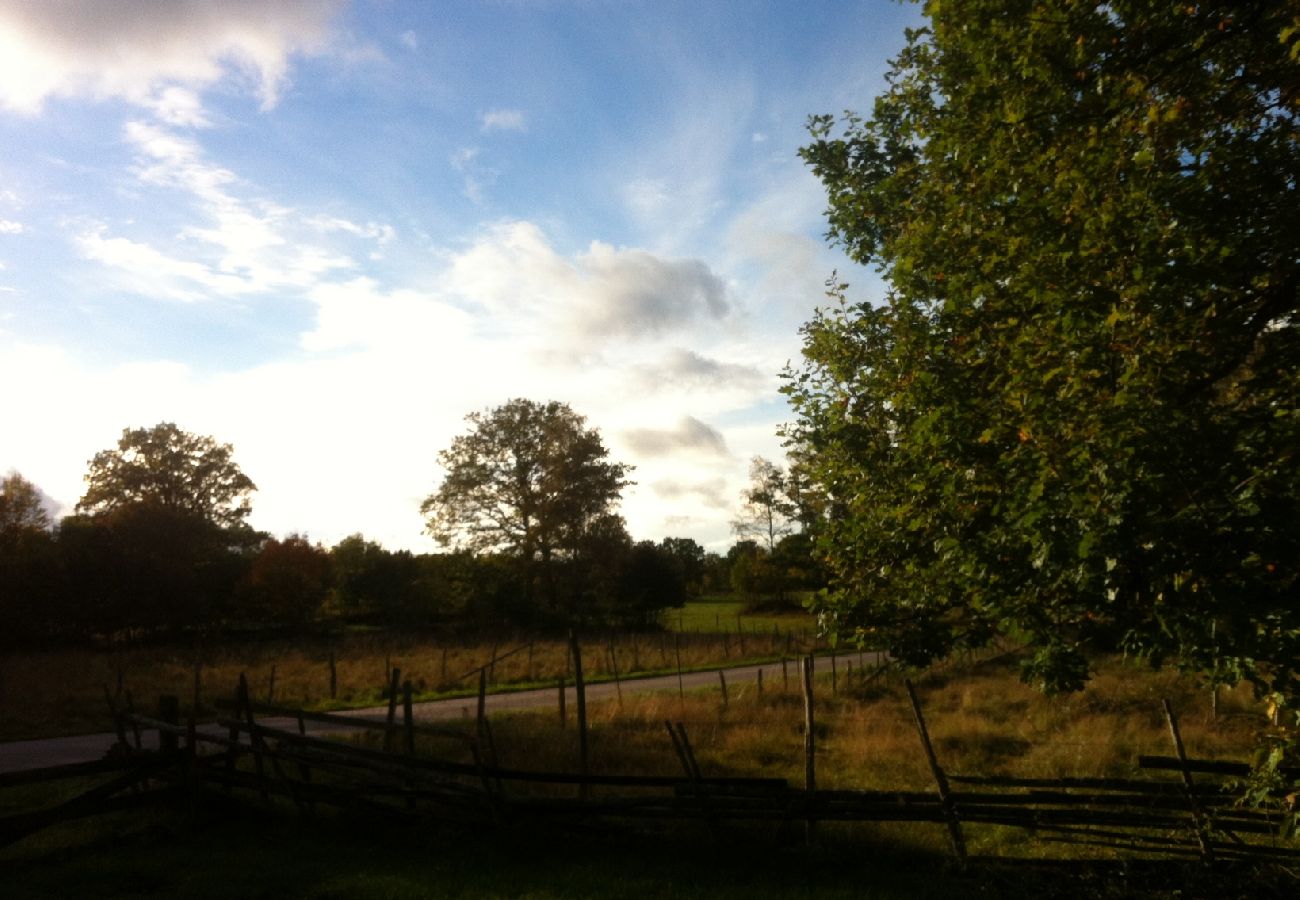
{"x":236,"y":850}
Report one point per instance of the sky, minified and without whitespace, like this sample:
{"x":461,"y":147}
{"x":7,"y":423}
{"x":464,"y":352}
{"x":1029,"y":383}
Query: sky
{"x":324,"y":232}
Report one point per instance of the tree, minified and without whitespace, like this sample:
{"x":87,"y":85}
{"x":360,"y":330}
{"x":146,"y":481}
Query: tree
{"x":530,"y":480}
{"x":691,"y":560}
{"x":286,"y":582}
{"x":768,"y":513}
{"x":21,"y":506}
{"x":29,"y":570}
{"x":1075,"y":414}
{"x":166,"y":467}
{"x":160,"y":542}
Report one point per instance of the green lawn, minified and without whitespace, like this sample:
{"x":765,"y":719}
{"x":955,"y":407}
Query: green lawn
{"x":720,"y":613}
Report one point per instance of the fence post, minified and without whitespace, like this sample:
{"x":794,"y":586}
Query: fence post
{"x":394,"y":684}
{"x":722,"y":678}
{"x":334,"y":677}
{"x":408,"y":718}
{"x":564,"y":717}
{"x":1199,"y":818}
{"x":169,"y":710}
{"x":940,"y":779}
{"x":809,"y":746}
{"x":677,"y":648}
{"x":581,"y":690}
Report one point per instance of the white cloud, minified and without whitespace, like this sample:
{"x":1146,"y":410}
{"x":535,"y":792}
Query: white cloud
{"x":240,"y":246}
{"x":137,"y":49}
{"x":410,"y":40}
{"x":690,"y":435}
{"x":504,"y":120}
{"x":606,"y":292}
{"x":8,"y":226}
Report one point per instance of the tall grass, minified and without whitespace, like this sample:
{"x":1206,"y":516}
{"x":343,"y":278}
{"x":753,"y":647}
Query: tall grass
{"x":45,"y":693}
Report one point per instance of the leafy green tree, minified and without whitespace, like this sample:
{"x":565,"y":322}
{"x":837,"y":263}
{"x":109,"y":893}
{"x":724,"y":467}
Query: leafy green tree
{"x":287,"y":583}
{"x":530,"y":480}
{"x":1075,"y":415}
{"x":29,"y":568}
{"x":768,"y":514}
{"x":166,"y":467}
{"x":160,"y":540}
{"x":21,"y":506}
{"x":690,"y":559}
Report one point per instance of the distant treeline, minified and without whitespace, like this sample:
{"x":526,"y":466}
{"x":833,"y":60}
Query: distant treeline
{"x":150,"y":571}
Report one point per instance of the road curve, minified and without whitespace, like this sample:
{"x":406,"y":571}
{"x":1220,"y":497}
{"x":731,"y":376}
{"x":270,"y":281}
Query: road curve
{"x":17,"y":756}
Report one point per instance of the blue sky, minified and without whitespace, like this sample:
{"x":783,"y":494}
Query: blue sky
{"x":323,"y":232}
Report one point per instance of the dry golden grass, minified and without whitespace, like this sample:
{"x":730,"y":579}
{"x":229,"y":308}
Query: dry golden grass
{"x":982,"y":720}
{"x":45,"y":693}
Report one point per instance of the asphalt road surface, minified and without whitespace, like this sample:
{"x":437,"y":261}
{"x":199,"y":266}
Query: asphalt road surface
{"x":35,"y":754}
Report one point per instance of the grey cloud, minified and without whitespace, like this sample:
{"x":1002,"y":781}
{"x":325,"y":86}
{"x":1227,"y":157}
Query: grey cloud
{"x":690,"y":435}
{"x":131,"y":48}
{"x":713,"y":492}
{"x":686,"y":369}
{"x":635,"y":293}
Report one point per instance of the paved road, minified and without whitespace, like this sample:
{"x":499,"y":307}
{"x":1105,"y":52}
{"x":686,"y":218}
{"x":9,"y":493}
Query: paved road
{"x":18,"y":755}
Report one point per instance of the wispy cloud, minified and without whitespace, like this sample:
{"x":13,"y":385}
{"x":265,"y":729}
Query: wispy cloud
{"x":8,"y":226}
{"x":504,"y":120}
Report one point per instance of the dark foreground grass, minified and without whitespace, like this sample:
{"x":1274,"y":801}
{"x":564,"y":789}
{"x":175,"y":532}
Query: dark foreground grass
{"x":237,"y":850}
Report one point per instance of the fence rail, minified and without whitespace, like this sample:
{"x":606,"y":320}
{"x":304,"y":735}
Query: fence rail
{"x":1196,"y":815}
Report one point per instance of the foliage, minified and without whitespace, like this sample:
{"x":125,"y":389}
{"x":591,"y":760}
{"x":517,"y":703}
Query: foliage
{"x":768,"y":513}
{"x":21,"y":507}
{"x":29,"y":571}
{"x":166,"y":467}
{"x":286,"y":582}
{"x":1074,"y":417}
{"x":530,"y":480}
{"x":691,"y":559}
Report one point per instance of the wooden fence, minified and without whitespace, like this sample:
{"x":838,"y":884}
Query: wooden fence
{"x":265,"y":750}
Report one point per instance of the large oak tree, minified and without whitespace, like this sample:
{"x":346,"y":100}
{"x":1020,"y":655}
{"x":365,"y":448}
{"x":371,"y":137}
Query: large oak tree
{"x":1074,"y":417}
{"x":530,"y":480}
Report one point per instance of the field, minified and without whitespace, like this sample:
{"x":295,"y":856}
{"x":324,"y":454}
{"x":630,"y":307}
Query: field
{"x":62,"y":692}
{"x":981,"y":718}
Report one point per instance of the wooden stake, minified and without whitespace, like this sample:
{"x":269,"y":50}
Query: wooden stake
{"x":618,"y":684}
{"x":395,"y":679}
{"x":760,"y":682}
{"x":677,"y":647}
{"x":1198,"y":815}
{"x":785,"y":674}
{"x":480,"y":717}
{"x":835,"y":689}
{"x":945,"y":797}
{"x":722,"y":679}
{"x":169,"y":710}
{"x":809,"y":736}
{"x":408,"y":718}
{"x":564,"y":717}
{"x":581,"y":691}
{"x":809,"y":745}
{"x":334,"y":677}
{"x":270,"y":687}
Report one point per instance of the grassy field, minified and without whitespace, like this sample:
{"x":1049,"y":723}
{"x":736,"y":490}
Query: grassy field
{"x":714,"y":614}
{"x":982,"y":721}
{"x":62,"y":692}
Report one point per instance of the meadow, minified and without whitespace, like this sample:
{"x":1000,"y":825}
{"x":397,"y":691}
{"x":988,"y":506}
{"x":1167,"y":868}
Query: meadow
{"x":61,"y":692}
{"x":981,"y":718}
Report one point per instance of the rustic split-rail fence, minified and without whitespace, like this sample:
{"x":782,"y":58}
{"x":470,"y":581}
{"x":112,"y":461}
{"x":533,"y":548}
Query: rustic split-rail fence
{"x":408,"y":768}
